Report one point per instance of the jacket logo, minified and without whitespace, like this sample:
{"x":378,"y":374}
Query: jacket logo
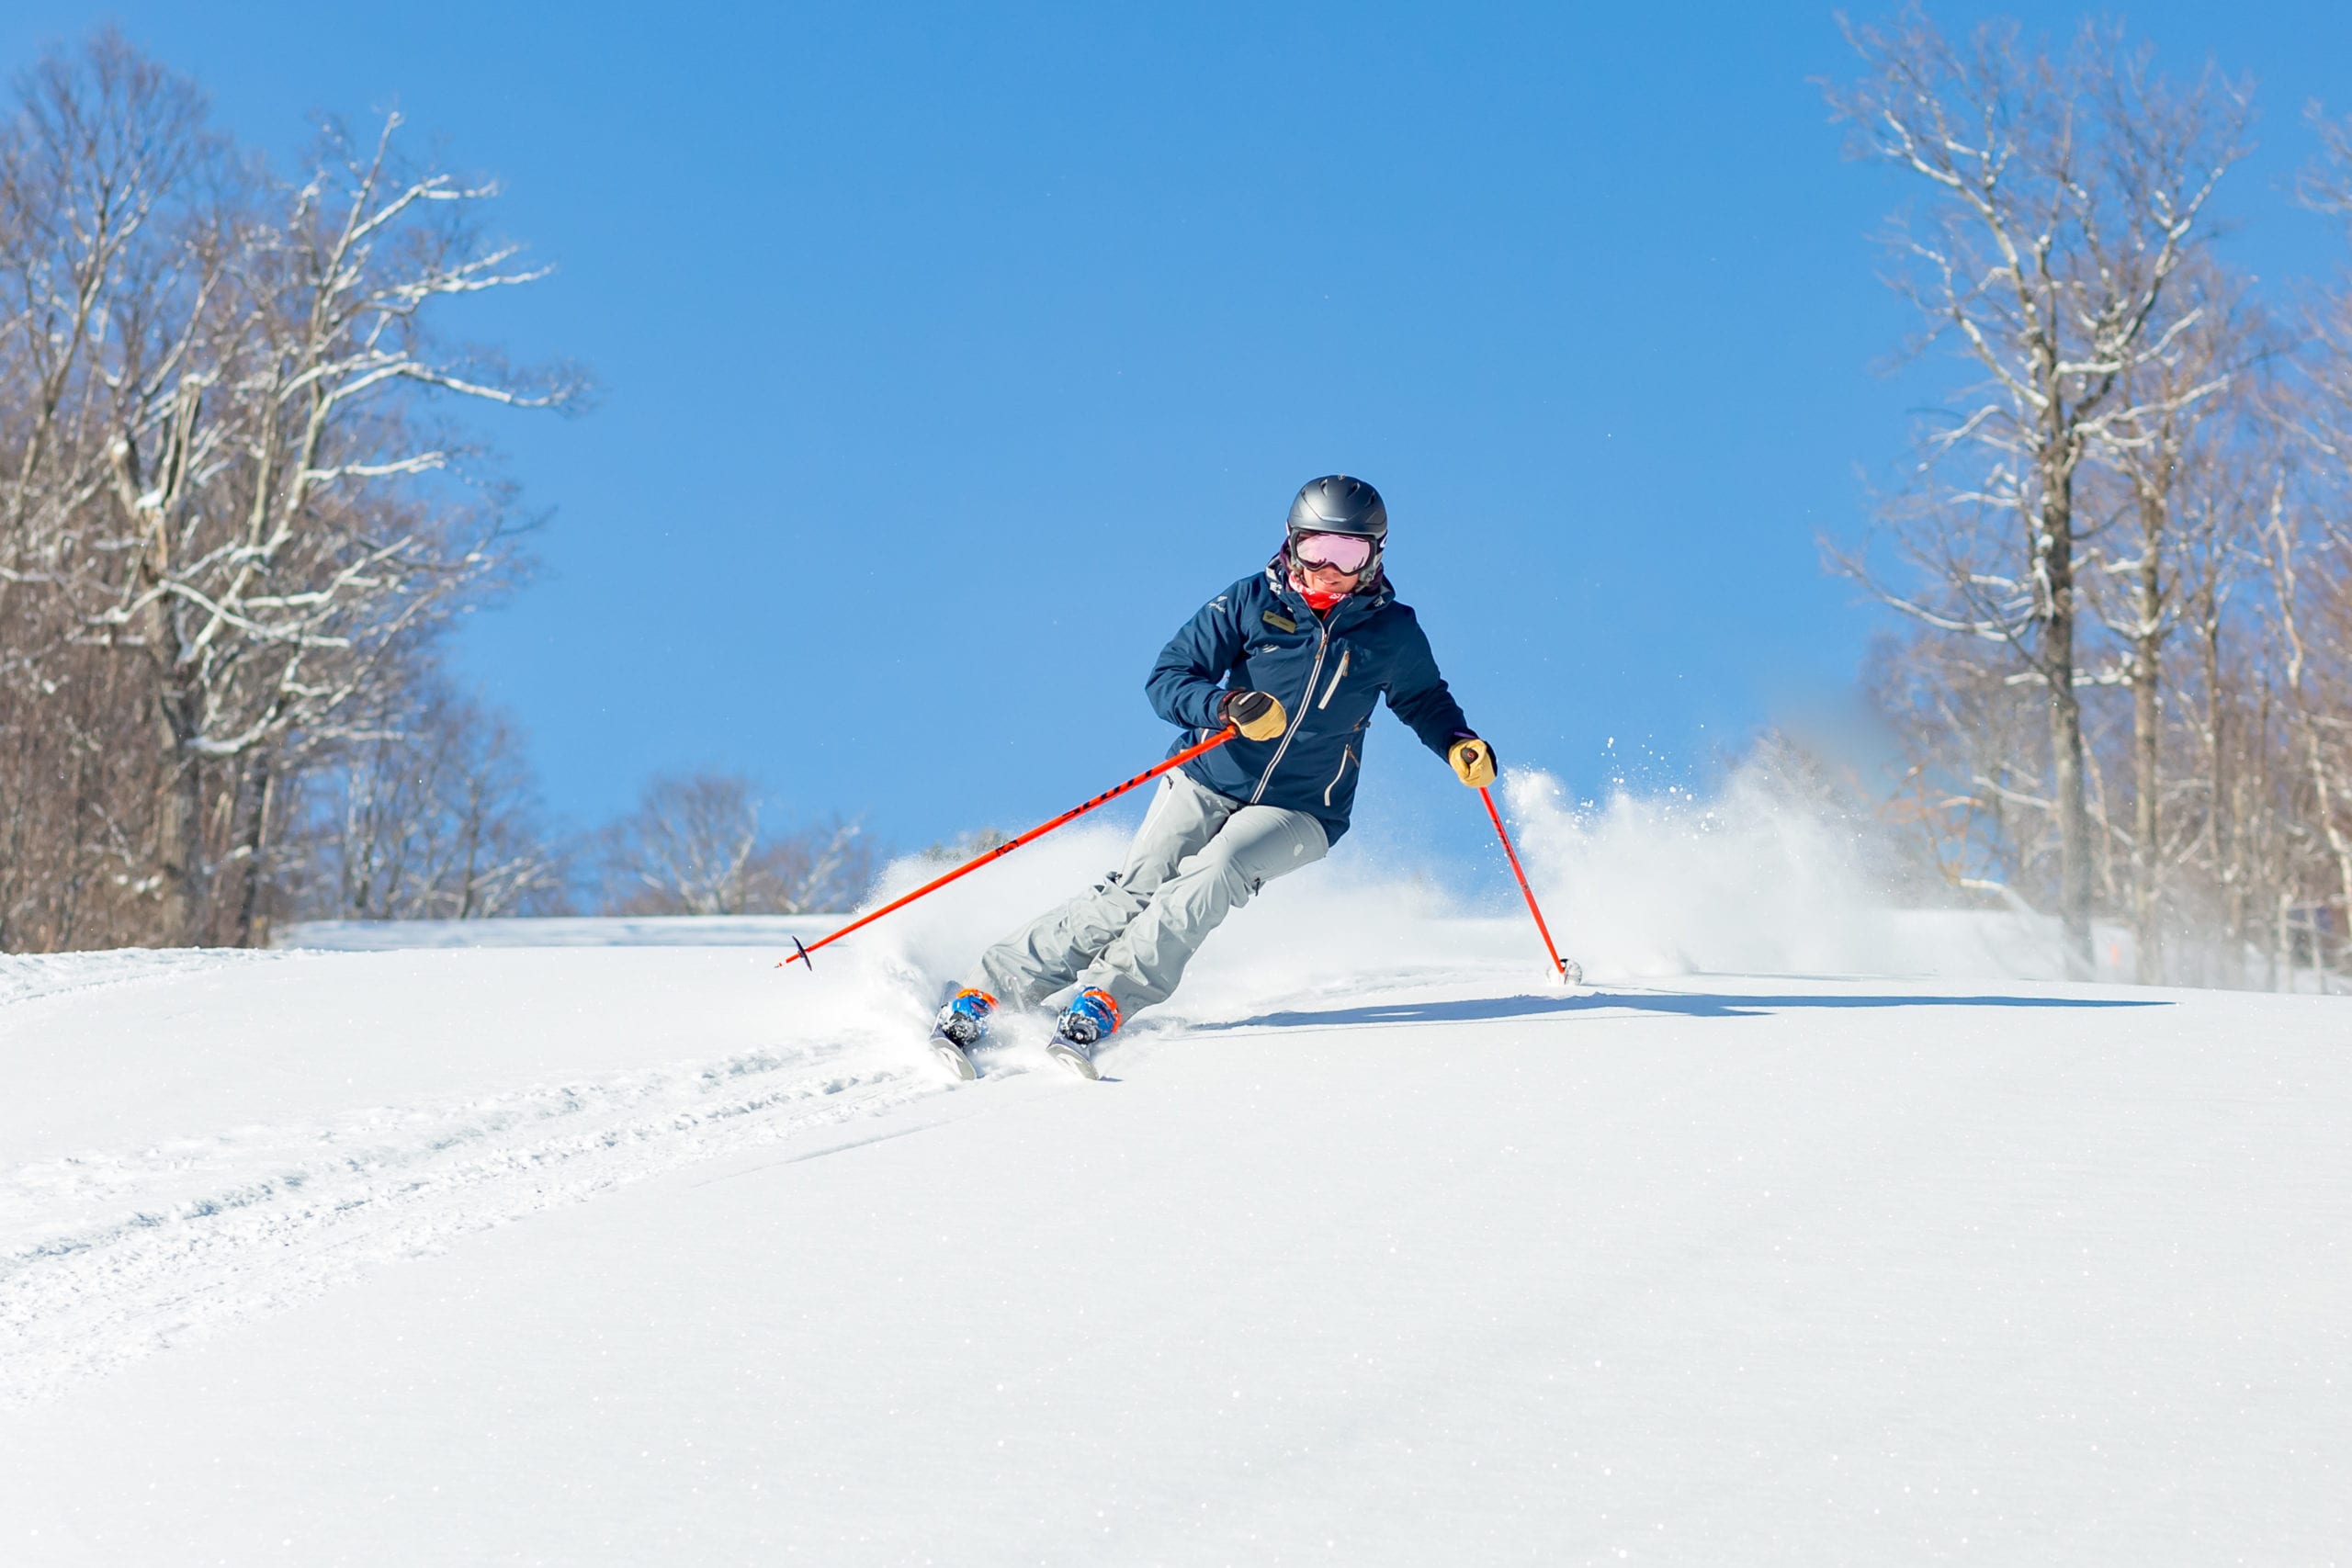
{"x":1284,"y":622}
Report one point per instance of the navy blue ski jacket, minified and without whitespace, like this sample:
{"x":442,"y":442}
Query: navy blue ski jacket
{"x":1259,"y":635}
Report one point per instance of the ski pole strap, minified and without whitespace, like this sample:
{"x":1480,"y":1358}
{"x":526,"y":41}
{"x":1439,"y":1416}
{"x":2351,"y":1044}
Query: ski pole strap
{"x":1558,"y":966}
{"x":1039,"y":831}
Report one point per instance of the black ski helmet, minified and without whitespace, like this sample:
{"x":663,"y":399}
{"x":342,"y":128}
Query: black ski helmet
{"x":1338,"y":504}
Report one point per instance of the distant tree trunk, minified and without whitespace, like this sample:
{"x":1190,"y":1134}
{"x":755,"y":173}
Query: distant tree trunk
{"x":2147,"y":744}
{"x":2054,"y":552}
{"x":179,"y":832}
{"x":253,"y":860}
{"x":475,"y":813}
{"x":2221,"y":806}
{"x":2282,"y":943}
{"x":2331,"y":809}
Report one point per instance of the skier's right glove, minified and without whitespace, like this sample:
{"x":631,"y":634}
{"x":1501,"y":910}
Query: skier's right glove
{"x":1258,"y":715}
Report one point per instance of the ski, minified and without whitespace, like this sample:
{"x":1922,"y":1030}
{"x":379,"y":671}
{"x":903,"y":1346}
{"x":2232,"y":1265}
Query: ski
{"x":952,"y":1057}
{"x":1075,"y":1060}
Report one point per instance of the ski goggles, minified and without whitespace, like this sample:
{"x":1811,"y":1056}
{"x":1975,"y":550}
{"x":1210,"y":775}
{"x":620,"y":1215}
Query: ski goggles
{"x":1340,"y":552}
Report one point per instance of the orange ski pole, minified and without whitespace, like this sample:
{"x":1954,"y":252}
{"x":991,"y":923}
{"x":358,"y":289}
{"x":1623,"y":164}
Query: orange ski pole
{"x":1560,"y":967}
{"x":1010,"y":845}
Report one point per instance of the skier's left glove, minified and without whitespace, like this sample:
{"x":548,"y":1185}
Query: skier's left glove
{"x":1474,"y":760}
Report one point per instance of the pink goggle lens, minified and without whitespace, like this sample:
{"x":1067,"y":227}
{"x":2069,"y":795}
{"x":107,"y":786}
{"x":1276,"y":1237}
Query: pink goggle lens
{"x":1343,"y":552}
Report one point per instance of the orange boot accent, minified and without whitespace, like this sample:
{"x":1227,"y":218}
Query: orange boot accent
{"x":1109,"y":1004}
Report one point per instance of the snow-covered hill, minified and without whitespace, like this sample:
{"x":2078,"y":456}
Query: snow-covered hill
{"x":1374,"y":1249}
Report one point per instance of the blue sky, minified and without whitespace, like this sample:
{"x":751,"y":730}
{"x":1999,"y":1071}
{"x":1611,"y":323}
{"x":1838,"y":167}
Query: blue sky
{"x":952,"y":355}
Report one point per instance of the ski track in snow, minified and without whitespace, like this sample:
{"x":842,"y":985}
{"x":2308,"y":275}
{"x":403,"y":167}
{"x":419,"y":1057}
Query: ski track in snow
{"x":109,"y":1256}
{"x":24,"y":976}
{"x":106,"y":1257}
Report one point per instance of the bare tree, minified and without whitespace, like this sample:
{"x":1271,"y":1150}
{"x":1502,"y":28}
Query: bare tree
{"x":2311,"y":562}
{"x":100,"y":158}
{"x":269,"y":576}
{"x":820,"y":869}
{"x":696,"y":845}
{"x":689,"y":848}
{"x":1964,"y":792}
{"x":2306,"y":541}
{"x":2064,"y":196}
{"x":2184,"y":513}
{"x":232,"y":514}
{"x":434,"y":816}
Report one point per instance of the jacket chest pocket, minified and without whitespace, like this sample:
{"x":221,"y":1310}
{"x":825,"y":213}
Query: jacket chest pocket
{"x":1335,"y":674}
{"x":1346,"y":691}
{"x":1279,"y":664}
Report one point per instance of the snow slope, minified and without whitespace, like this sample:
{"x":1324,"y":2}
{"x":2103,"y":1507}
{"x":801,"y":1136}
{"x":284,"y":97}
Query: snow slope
{"x":1376,"y":1250}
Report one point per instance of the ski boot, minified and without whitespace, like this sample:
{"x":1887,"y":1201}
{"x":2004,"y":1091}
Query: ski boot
{"x":963,"y":1023}
{"x":1091,"y":1016}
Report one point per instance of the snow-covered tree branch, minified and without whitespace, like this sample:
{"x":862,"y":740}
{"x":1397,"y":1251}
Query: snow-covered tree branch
{"x":237,"y":492}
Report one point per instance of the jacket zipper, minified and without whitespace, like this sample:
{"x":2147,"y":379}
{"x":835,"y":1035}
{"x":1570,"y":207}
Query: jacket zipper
{"x":1345,"y":654}
{"x":1306,"y":697}
{"x":1346,"y":755}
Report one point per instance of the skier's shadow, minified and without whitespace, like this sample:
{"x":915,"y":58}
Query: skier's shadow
{"x":1686,"y":1004}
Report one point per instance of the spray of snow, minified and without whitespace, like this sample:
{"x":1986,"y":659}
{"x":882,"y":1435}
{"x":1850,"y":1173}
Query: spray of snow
{"x":1672,"y":885}
{"x":1749,"y":881}
{"x":1753,"y":879}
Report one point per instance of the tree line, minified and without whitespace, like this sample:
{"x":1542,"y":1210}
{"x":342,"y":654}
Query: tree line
{"x":243,"y":504}
{"x":2122,"y":543}
{"x":240,"y":508}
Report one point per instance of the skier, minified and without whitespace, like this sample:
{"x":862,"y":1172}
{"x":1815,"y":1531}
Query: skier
{"x":1293,"y":658}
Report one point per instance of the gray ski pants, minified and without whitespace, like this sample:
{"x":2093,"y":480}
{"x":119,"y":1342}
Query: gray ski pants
{"x":1197,"y":857}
